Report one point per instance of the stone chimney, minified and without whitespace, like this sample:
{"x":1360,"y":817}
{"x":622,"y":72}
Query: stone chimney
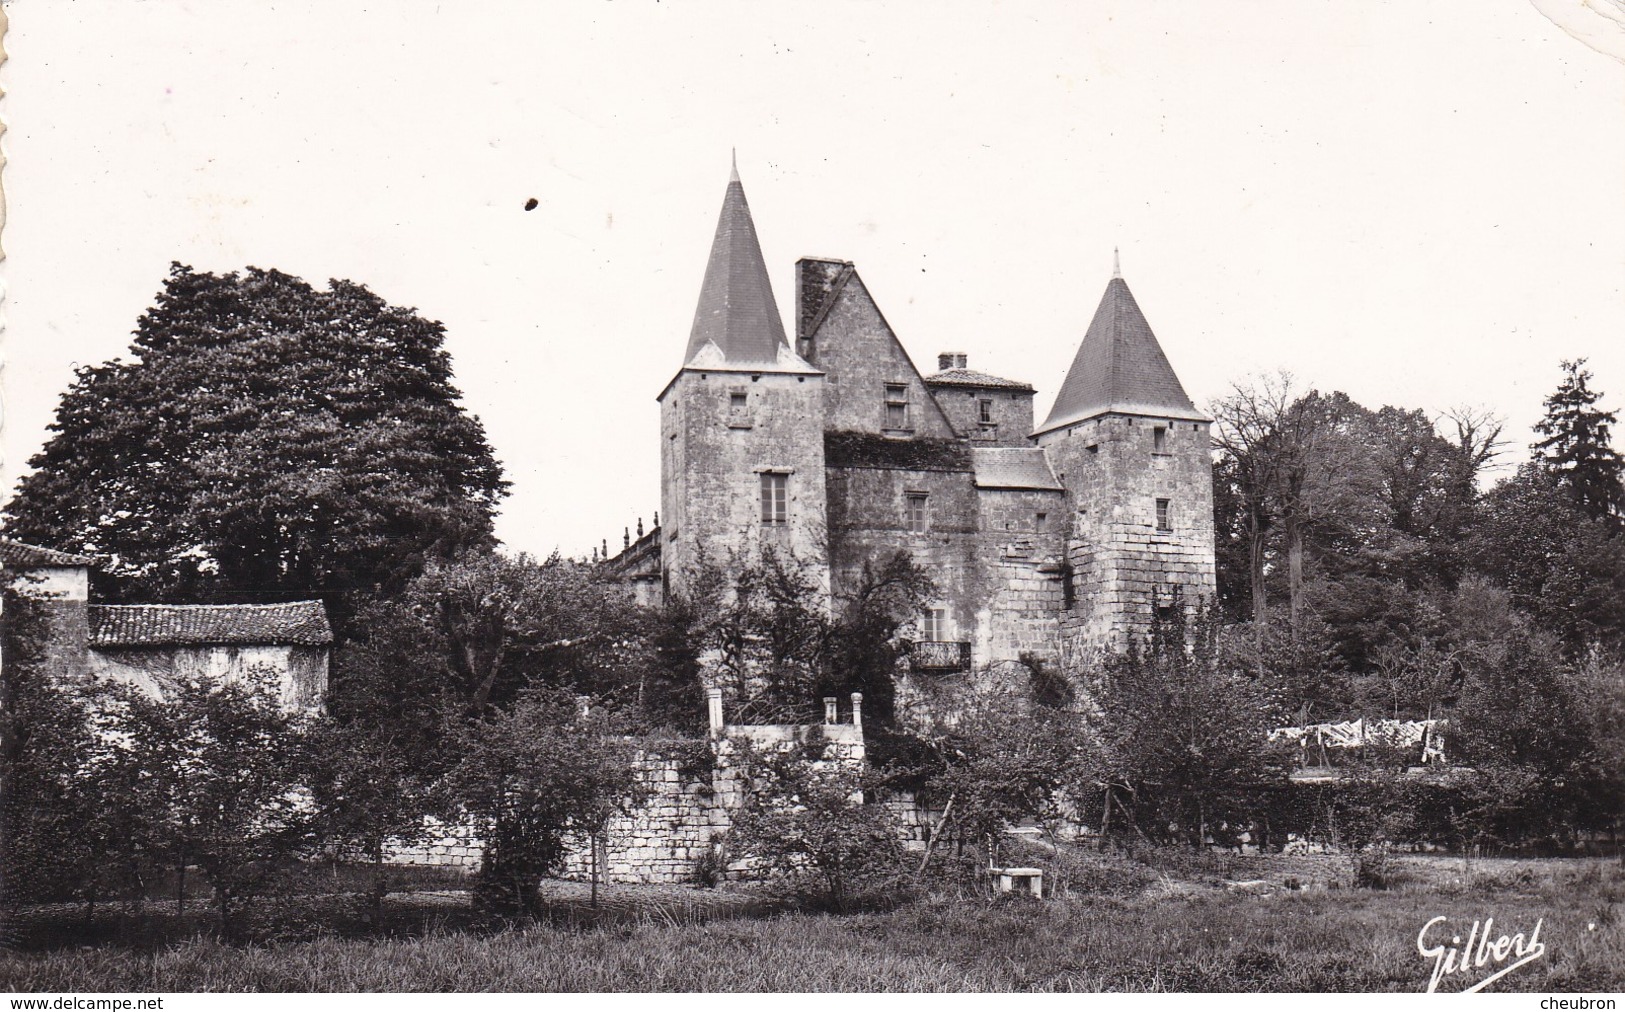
{"x":950,"y":360}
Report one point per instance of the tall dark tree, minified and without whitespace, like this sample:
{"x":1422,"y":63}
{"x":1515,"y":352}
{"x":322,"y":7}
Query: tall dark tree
{"x":267,"y":440}
{"x":1576,"y":447}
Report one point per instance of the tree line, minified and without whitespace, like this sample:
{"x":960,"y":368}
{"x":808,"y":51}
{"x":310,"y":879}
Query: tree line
{"x":268,"y":440}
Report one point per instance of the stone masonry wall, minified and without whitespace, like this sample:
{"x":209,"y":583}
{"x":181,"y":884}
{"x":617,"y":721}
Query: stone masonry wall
{"x":1011,"y":412}
{"x":664,"y":839}
{"x":1121,"y":564}
{"x":855,"y":346}
{"x":712,"y":458}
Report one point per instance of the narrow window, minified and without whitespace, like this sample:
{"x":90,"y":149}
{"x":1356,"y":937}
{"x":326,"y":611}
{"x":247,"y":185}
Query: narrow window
{"x":775,"y":497}
{"x":896,"y":406}
{"x":936,"y":624}
{"x":1164,"y":524}
{"x":1040,"y":520}
{"x":1159,"y":439}
{"x":984,"y":410}
{"x":916,"y":511}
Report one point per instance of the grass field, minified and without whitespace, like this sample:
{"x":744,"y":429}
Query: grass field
{"x":1182,"y":924}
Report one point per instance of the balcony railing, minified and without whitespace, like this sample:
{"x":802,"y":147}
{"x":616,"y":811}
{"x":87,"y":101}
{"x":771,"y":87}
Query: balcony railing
{"x":940,"y":656}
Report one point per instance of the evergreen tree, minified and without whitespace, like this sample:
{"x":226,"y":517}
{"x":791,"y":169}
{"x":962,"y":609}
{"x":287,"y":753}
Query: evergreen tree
{"x":1576,"y":447}
{"x":268,"y":440}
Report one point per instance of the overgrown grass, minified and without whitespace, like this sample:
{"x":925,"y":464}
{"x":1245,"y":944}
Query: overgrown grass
{"x":1189,"y":930}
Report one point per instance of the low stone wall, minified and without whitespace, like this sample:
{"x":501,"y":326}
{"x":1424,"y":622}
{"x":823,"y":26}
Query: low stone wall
{"x":668,"y":837}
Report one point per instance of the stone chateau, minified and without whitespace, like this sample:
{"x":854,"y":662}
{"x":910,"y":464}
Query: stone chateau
{"x":1043,"y":540}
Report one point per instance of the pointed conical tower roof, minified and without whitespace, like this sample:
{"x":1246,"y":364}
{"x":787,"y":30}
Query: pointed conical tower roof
{"x":1119,"y":368}
{"x":737,"y":324}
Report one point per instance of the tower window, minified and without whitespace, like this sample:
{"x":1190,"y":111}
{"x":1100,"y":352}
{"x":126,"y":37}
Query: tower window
{"x":1164,"y":522}
{"x":917,"y":512}
{"x":1159,"y":439}
{"x":1040,"y":520}
{"x":736,"y":401}
{"x":775,"y":497}
{"x":896,"y":406}
{"x":935,"y":625}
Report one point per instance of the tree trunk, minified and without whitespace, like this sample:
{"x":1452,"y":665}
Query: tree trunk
{"x":1257,"y":531}
{"x":1294,"y":570}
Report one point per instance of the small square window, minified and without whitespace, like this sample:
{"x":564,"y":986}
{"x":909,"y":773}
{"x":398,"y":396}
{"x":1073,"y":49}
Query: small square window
{"x":736,"y":401}
{"x":775,"y":497}
{"x":917,"y":512}
{"x":1164,"y":522}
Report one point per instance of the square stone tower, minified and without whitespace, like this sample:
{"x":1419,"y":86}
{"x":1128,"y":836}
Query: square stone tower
{"x":742,"y":444}
{"x":1134,"y":455}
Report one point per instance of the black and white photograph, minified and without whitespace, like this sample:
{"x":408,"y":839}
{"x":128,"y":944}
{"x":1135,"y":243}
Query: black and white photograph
{"x":712,"y":496}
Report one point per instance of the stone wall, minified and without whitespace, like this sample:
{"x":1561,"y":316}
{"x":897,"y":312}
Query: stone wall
{"x":1010,"y":411}
{"x":1122,"y":566}
{"x":713,"y":455}
{"x":841,"y":331}
{"x":301,"y":670}
{"x":63,"y":593}
{"x":667,"y":837}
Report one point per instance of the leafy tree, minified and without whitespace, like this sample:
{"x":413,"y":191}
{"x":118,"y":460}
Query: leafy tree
{"x":1577,"y":449}
{"x":768,"y":642}
{"x":50,"y":815}
{"x":471,"y":633}
{"x":1559,"y":565}
{"x":1186,"y":737}
{"x":997,"y":769}
{"x":804,"y":814}
{"x":267,"y":439}
{"x":1520,"y":727}
{"x":212,"y":775}
{"x":372,"y":788}
{"x":530,"y":775}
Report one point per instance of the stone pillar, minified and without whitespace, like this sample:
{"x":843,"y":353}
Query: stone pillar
{"x":857,"y":709}
{"x":713,"y":711}
{"x":829,"y":709}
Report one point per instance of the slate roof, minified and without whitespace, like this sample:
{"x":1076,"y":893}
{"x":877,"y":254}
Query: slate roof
{"x":972,"y":378}
{"x":21,"y":556}
{"x":1119,"y":367}
{"x":298,"y":623}
{"x":1022,"y":467}
{"x":737,"y":324}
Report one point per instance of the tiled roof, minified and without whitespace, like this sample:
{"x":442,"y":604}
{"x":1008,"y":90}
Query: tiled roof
{"x":301,"y":623}
{"x":972,"y":378}
{"x":1119,"y":367}
{"x":20,"y":556}
{"x":737,"y":324}
{"x":1024,"y":467}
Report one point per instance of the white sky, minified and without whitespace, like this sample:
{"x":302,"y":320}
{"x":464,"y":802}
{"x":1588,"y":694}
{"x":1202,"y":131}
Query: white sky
{"x":1418,"y":203}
